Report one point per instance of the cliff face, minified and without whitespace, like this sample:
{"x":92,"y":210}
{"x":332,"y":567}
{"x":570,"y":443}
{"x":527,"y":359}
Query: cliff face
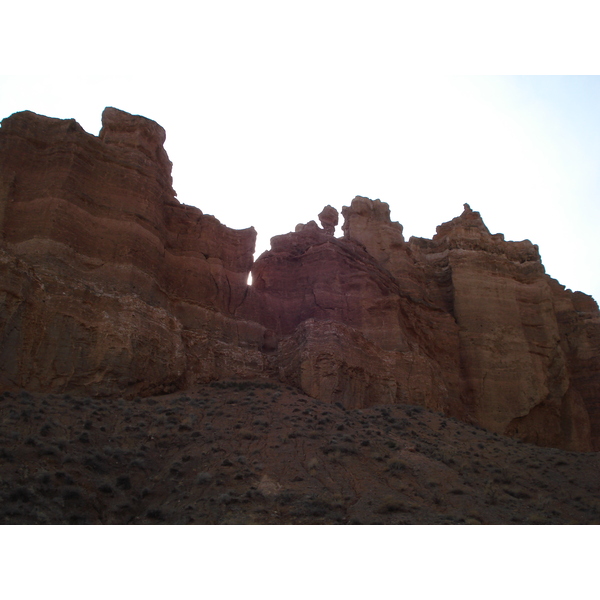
{"x":516,"y":374}
{"x":109,"y":285}
{"x":108,"y":282}
{"x":353,"y":332}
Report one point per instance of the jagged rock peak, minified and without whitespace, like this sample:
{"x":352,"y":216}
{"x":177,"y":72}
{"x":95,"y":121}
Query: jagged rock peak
{"x":368,"y":222}
{"x":120,"y":128}
{"x":373,"y":209}
{"x":310,"y":227}
{"x":469,"y":232}
{"x":307,"y":234}
{"x":468,"y":225}
{"x":123,"y":129}
{"x":29,"y":124}
{"x":329,"y":218}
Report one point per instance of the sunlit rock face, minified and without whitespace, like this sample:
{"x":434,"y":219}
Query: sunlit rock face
{"x":109,"y":285}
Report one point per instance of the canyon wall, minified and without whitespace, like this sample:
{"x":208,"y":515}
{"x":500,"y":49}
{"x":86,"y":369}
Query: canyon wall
{"x":109,"y":285}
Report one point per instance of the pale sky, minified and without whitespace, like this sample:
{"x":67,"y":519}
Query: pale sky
{"x":273,"y":110}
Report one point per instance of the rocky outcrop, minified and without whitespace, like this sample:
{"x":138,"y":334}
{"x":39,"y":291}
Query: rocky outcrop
{"x":466,"y":323}
{"x":109,"y":285}
{"x":515,"y":374}
{"x":108,"y":282}
{"x":329,"y":218}
{"x":333,"y":362}
{"x":309,"y":277}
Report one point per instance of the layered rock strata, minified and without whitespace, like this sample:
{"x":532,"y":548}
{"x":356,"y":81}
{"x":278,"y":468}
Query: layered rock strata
{"x":109,"y":285}
{"x":516,"y":376}
{"x":378,"y":334}
{"x":466,"y":323}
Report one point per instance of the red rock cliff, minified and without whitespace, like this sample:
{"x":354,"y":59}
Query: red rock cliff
{"x":517,"y":373}
{"x":108,"y":284}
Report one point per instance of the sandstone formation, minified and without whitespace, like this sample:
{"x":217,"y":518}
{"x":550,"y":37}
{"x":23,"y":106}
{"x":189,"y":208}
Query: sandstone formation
{"x":328,"y":218}
{"x":108,"y":282}
{"x":109,"y":285}
{"x":516,"y":377}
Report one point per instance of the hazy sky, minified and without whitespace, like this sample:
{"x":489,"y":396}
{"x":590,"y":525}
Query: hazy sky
{"x":275,"y":109}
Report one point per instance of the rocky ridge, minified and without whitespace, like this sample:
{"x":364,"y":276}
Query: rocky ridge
{"x":109,"y":285}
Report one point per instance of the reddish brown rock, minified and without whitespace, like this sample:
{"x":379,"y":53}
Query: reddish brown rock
{"x":579,"y":327}
{"x":329,"y":219}
{"x":466,"y":323}
{"x":109,"y":285}
{"x":515,"y":374}
{"x":336,"y":363}
{"x":368,"y":223}
{"x":108,"y":282}
{"x":309,"y":276}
